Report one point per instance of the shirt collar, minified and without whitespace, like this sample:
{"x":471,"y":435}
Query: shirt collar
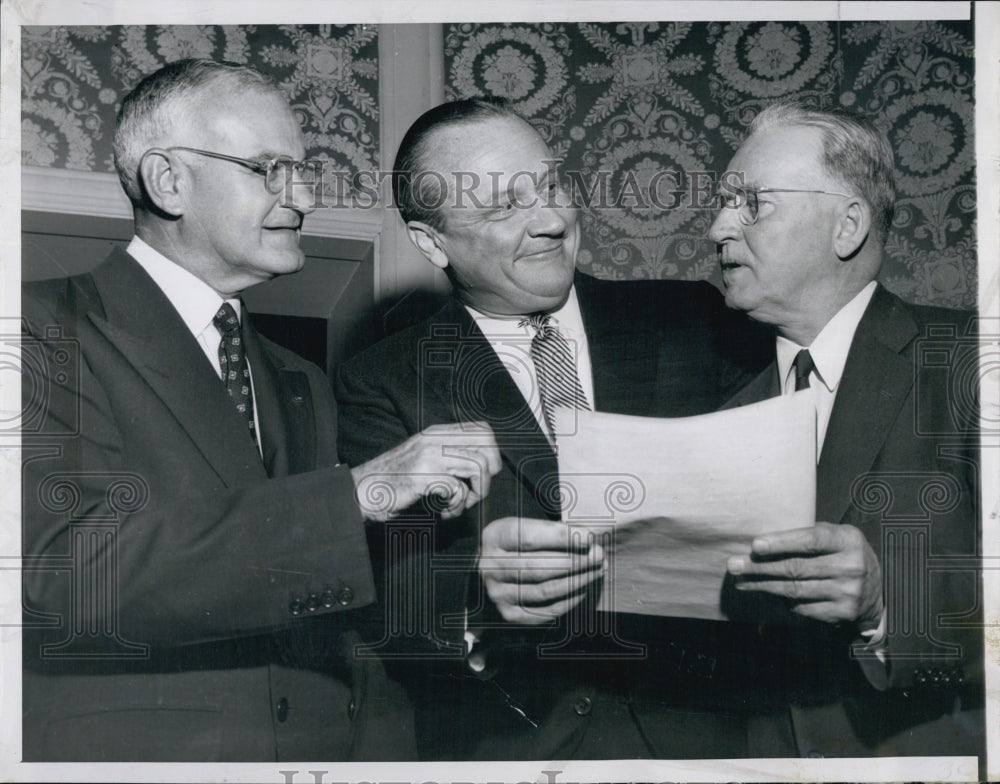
{"x":568,"y":317}
{"x":195,"y":301}
{"x":829,"y":349}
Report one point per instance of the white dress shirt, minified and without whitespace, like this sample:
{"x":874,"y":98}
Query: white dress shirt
{"x":511,"y":339}
{"x":194,"y":300}
{"x":829,"y":353}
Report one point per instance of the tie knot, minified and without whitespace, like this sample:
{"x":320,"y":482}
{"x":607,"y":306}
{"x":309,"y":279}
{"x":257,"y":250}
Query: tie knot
{"x":803,"y":365}
{"x":226,"y":320}
{"x":538,"y":321}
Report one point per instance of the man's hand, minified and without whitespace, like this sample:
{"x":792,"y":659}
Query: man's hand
{"x":827,"y":572}
{"x":450,"y":464}
{"x":536,"y":570}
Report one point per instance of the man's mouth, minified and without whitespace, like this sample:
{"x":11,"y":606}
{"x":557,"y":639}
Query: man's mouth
{"x":545,"y":252}
{"x":294,"y":229}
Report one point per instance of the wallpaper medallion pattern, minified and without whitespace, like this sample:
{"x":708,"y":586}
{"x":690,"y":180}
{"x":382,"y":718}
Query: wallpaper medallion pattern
{"x":624,"y":103}
{"x":638,"y":110}
{"x":73,"y":79}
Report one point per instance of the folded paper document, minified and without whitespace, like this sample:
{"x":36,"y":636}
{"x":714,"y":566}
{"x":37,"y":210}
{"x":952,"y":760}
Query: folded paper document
{"x":673,"y":499}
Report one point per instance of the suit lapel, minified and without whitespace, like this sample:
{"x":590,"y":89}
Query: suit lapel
{"x":876,"y":381}
{"x":619,"y":349}
{"x":142,"y":324}
{"x":284,"y":409}
{"x":877,"y":378}
{"x":481,"y":388}
{"x":763,"y":387}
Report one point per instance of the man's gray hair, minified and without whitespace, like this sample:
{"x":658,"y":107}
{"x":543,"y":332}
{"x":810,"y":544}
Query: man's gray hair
{"x":855,"y":151}
{"x":160,"y":100}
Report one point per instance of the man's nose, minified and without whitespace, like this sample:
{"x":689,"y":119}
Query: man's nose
{"x":302,"y":197}
{"x":551,"y":217}
{"x":302,"y":193}
{"x":726,"y":226}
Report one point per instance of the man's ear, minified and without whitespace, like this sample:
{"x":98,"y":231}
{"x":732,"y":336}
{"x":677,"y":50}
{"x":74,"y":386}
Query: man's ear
{"x":158,"y":180}
{"x":428,"y":242}
{"x":852,"y":229}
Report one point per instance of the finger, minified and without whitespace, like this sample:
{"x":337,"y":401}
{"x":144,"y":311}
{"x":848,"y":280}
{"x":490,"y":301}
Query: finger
{"x":532,"y":534}
{"x":794,"y":590}
{"x":536,"y":568}
{"x":535,"y":616}
{"x":819,"y":567}
{"x":814,"y":540}
{"x":551,"y":591}
{"x":479,"y":488}
{"x":830,"y":612}
{"x":457,"y":502}
{"x":543,"y":593}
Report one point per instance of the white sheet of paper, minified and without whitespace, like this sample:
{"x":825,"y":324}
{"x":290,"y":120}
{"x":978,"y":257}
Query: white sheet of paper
{"x":673,"y":499}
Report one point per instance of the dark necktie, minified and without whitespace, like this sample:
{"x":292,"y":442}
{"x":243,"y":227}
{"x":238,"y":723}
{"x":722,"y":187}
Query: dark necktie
{"x":233,"y":361}
{"x":803,"y":365}
{"x":555,"y":366}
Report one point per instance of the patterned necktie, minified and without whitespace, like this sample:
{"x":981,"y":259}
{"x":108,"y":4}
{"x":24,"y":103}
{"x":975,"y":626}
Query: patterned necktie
{"x":233,"y":361}
{"x":555,"y":365}
{"x":803,"y":365}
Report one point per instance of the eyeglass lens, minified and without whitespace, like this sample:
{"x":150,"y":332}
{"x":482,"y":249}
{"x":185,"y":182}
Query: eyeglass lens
{"x":285,"y":173}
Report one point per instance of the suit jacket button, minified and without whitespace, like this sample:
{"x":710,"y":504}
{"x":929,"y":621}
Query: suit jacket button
{"x":296,"y":606}
{"x":346,"y":596}
{"x":476,"y":661}
{"x":281,"y":709}
{"x":329,"y":598}
{"x":312,"y":603}
{"x":582,"y":707}
{"x":351,"y":707}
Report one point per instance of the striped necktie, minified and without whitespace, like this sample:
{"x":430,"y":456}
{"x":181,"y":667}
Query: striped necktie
{"x":555,"y":366}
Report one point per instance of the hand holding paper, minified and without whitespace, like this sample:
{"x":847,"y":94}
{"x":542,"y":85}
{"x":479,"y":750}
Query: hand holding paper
{"x":536,"y":570}
{"x":826,"y":572}
{"x":674,"y":499}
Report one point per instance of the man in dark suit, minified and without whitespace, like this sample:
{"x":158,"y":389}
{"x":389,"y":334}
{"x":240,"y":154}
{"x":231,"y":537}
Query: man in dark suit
{"x":194,"y":555}
{"x":482,"y":200}
{"x":884,"y":586}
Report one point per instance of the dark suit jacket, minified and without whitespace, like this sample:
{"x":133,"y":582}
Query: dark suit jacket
{"x":184,"y":599}
{"x":900,"y":462}
{"x":657,"y":348}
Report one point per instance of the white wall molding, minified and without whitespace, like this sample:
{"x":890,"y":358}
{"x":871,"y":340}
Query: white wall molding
{"x":100,"y":195}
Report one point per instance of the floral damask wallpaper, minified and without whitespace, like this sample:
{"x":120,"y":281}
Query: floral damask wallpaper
{"x":630,"y":100}
{"x":73,"y":79}
{"x":634,"y":99}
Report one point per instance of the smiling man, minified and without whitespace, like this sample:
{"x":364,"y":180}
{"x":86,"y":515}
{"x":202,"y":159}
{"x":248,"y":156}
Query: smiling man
{"x":523,"y":333}
{"x":884,"y":654}
{"x":199,"y":592}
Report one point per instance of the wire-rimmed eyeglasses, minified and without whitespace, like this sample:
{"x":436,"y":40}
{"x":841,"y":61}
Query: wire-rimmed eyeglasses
{"x":278,"y":171}
{"x":744,"y":200}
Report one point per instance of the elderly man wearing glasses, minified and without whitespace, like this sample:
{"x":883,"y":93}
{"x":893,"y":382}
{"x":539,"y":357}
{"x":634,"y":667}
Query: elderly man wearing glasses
{"x":890,"y":642}
{"x":195,"y":557}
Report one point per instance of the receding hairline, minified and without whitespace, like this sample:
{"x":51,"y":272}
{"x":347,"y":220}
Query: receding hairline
{"x":430,"y":146}
{"x":817,"y":139}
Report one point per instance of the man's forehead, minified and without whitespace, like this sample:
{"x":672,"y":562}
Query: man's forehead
{"x":488,"y":142}
{"x":775,"y":153}
{"x":258,"y":121}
